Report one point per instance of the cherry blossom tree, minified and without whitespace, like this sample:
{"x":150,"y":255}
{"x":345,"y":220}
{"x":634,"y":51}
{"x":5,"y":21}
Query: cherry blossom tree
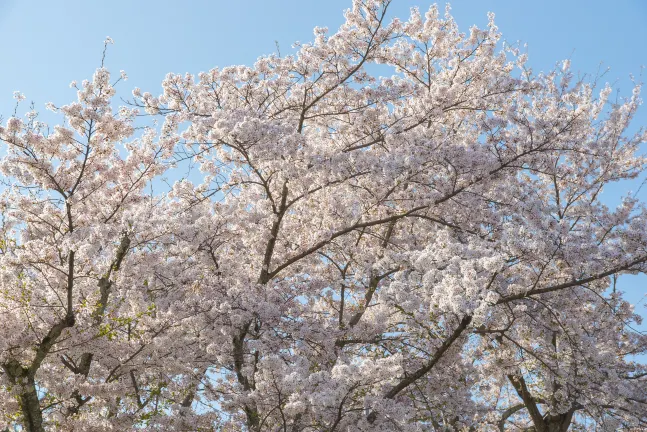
{"x":423,"y":251}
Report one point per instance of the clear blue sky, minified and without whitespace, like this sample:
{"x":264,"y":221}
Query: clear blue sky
{"x":47,"y":44}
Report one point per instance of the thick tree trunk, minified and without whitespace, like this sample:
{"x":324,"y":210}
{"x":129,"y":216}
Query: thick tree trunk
{"x":558,"y":423}
{"x":29,"y":403}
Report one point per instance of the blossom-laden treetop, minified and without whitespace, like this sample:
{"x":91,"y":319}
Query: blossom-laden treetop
{"x":425,"y":251}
